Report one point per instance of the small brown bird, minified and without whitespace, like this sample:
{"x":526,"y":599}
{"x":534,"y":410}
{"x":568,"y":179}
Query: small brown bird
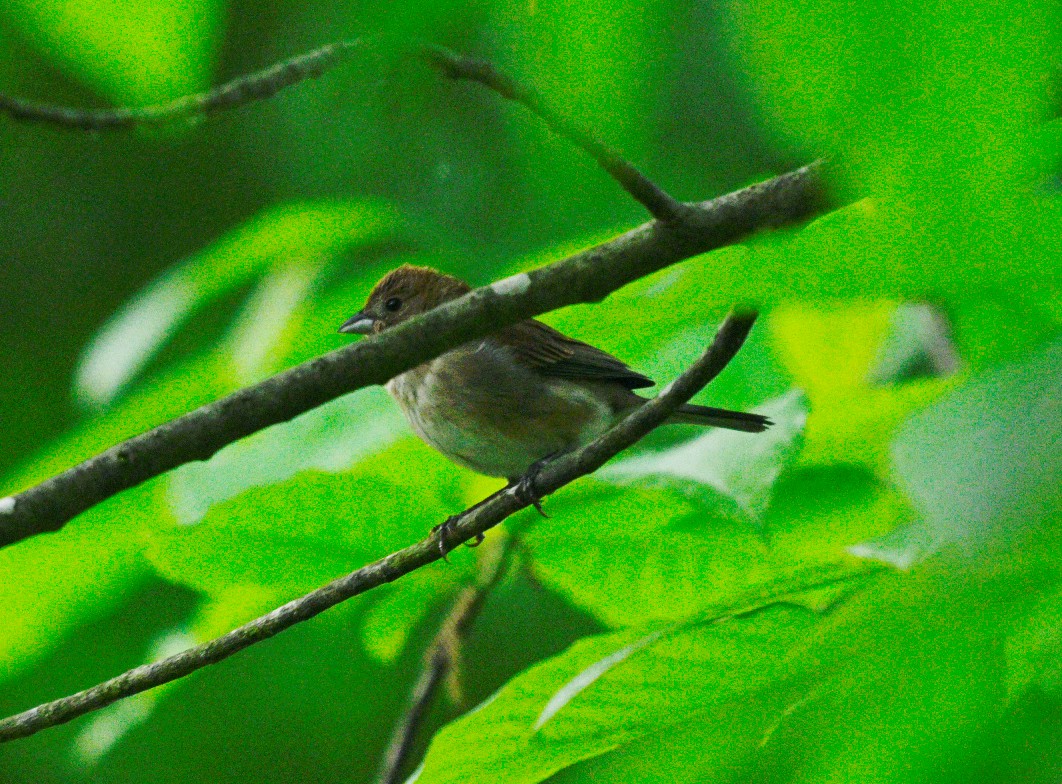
{"x":503,"y":404}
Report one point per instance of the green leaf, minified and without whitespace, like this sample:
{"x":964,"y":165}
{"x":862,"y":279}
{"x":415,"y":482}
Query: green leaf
{"x":832,"y":355}
{"x":913,"y":677}
{"x":983,"y":463}
{"x":215,"y":616}
{"x":52,"y":585}
{"x":609,"y":692}
{"x":295,"y":535}
{"x":397,"y":608}
{"x":99,"y":558}
{"x":132,"y":53}
{"x":107,"y":727}
{"x":937,"y":128}
{"x":703,"y":752}
{"x":286,"y":248}
{"x":937,"y":93}
{"x":84,"y":570}
{"x":1032,"y":648}
{"x":330,"y":438}
{"x":630,"y":555}
{"x":589,"y":58}
{"x":769,"y":694}
{"x":181,"y":388}
{"x":724,"y":464}
{"x":662,"y":323}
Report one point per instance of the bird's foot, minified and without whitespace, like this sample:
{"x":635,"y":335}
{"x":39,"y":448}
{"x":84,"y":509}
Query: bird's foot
{"x":525,"y":485}
{"x":444,"y":535}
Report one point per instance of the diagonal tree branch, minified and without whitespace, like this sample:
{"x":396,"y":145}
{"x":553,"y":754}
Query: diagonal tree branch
{"x":587,"y":276}
{"x":469,"y":524}
{"x":661,"y":205}
{"x":684,"y":230}
{"x":242,"y":90}
{"x":441,"y":657}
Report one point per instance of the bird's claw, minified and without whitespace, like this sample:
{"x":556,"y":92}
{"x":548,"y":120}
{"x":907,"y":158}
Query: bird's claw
{"x":444,"y":532}
{"x":524,"y":487}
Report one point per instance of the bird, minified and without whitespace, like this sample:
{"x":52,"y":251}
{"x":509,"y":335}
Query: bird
{"x":505,"y":404}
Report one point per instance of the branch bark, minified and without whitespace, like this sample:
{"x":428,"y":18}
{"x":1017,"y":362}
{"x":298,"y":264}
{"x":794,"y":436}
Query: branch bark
{"x":475,"y":521}
{"x":243,"y":90}
{"x":269,"y":81}
{"x":661,"y":205}
{"x":588,"y":276}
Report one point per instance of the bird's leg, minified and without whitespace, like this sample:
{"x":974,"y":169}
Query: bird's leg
{"x":525,"y":491}
{"x":444,"y":531}
{"x":525,"y":485}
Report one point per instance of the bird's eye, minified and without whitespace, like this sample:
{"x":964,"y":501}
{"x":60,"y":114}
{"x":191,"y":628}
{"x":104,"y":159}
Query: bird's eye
{"x":393,"y":304}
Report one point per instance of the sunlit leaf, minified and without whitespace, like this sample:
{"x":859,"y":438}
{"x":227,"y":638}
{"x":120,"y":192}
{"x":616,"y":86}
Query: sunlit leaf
{"x":984,"y":462}
{"x":288,"y":246}
{"x":724,"y":465}
{"x":51,"y":585}
{"x":633,"y":554}
{"x":132,"y":52}
{"x":833,"y":355}
{"x":295,"y":535}
{"x":611,"y":691}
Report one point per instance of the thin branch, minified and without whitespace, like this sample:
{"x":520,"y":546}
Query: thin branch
{"x":242,"y":90}
{"x":661,"y":205}
{"x":441,"y":657}
{"x":469,"y":524}
{"x":587,"y":276}
{"x":269,"y":81}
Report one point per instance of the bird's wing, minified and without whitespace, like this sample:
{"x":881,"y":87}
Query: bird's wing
{"x":554,"y":354}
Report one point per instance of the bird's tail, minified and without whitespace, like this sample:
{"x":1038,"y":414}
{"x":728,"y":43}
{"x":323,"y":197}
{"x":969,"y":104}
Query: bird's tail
{"x":719,"y":417}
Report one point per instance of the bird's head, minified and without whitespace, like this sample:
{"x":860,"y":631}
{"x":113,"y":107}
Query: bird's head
{"x":401,"y":294}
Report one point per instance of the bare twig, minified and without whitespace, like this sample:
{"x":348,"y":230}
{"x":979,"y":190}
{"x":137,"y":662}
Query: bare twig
{"x":587,"y":276}
{"x":441,"y":656}
{"x":469,"y":524}
{"x":243,"y":90}
{"x":661,"y":205}
{"x":269,"y":81}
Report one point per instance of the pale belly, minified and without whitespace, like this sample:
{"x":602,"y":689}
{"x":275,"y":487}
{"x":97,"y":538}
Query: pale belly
{"x":500,"y":424}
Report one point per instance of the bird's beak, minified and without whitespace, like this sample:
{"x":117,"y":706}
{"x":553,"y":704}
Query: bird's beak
{"x":358,"y":324}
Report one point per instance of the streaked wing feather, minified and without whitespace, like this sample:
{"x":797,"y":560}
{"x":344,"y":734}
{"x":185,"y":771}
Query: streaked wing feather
{"x":554,"y":354}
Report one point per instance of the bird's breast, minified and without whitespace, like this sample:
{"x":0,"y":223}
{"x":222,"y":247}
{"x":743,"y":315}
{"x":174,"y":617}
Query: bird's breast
{"x":483,"y":410}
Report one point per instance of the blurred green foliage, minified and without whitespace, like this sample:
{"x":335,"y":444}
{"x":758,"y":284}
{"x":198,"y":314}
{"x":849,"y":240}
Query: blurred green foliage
{"x":870,"y":592}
